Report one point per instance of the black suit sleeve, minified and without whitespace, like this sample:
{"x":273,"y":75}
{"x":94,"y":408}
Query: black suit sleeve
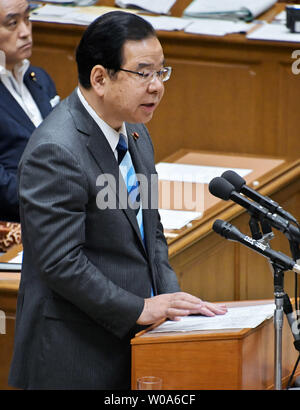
{"x":9,"y":205}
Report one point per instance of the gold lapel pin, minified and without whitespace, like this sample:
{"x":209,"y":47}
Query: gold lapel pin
{"x":135,"y":136}
{"x":33,"y":76}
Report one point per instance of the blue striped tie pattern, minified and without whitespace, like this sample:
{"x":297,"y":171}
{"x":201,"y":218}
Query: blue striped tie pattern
{"x":129,"y":175}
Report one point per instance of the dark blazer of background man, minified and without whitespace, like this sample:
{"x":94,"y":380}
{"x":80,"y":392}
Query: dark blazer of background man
{"x":87,"y":275}
{"x":16,"y":125}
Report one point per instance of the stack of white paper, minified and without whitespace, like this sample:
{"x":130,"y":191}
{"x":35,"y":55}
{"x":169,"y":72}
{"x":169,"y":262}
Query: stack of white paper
{"x":274,"y":32}
{"x":192,"y":173}
{"x":214,"y":27}
{"x":236,"y":318}
{"x":57,"y":1}
{"x":18,"y":258}
{"x":68,"y":15}
{"x":230,"y":9}
{"x":168,"y":23}
{"x":153,"y":6}
{"x":173,"y":219}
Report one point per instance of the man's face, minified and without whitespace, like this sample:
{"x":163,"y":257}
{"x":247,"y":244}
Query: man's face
{"x":128,"y":97}
{"x":15,"y":31}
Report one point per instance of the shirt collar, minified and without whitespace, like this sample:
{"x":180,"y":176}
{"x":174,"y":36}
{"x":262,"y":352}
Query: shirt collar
{"x":19,"y":70}
{"x":111,"y":134}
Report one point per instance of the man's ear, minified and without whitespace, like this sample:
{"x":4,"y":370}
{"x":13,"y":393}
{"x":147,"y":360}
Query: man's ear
{"x":97,"y":78}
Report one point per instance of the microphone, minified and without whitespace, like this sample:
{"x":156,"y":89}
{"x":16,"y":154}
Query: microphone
{"x":231,"y":233}
{"x":223,"y":189}
{"x":240,"y":185}
{"x":288,"y":310}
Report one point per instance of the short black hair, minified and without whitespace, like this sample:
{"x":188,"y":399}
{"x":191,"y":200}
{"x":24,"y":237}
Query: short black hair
{"x":102,"y":42}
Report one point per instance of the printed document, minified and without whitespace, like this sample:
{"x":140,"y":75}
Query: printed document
{"x":192,"y":173}
{"x":153,"y":6}
{"x":173,"y":219}
{"x":274,"y":32}
{"x":231,"y":9}
{"x":235,"y":318}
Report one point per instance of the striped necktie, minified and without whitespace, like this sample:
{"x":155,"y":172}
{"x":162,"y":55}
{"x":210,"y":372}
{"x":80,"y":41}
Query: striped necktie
{"x":129,"y":175}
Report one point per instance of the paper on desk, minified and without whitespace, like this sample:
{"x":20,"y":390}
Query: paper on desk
{"x":280,"y":18}
{"x":69,"y":15}
{"x":192,"y":173}
{"x":54,"y":14}
{"x":18,"y":258}
{"x":173,"y":219}
{"x":236,"y":318}
{"x":57,"y":1}
{"x":153,"y":6}
{"x":53,"y":10}
{"x":68,"y":2}
{"x":214,"y":27}
{"x":274,"y":32}
{"x":244,"y":9}
{"x":167,"y":23}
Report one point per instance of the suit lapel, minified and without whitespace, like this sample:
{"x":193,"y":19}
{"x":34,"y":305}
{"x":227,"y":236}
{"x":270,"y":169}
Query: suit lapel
{"x":36,"y":90}
{"x":12,"y":107}
{"x":101,"y":151}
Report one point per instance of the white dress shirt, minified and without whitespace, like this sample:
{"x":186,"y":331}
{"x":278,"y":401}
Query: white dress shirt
{"x":15,"y":85}
{"x":111,"y":134}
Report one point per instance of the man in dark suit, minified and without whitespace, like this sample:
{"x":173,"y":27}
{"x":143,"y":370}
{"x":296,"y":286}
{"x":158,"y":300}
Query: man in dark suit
{"x":95,"y":266}
{"x":27,"y":95}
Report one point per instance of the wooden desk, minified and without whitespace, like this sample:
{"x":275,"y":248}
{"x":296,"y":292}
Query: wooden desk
{"x":215,"y":269}
{"x":226,"y":94}
{"x":218,"y":360}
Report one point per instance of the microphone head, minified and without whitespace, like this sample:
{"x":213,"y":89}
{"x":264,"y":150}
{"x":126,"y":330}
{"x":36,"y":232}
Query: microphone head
{"x":235,"y":179}
{"x":221,"y":188}
{"x":227,"y":230}
{"x":218,"y":226}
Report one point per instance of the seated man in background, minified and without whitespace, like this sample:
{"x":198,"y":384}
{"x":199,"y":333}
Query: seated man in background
{"x":27,"y":95}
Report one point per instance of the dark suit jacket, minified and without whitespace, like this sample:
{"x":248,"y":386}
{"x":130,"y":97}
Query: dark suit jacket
{"x":15,"y":130}
{"x":85,"y":271}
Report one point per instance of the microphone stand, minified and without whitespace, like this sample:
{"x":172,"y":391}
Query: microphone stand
{"x":295,"y":251}
{"x":278,"y":280}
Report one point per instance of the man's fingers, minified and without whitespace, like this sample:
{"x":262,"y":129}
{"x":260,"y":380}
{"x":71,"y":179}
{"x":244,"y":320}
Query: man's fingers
{"x":176,"y":314}
{"x":176,"y":305}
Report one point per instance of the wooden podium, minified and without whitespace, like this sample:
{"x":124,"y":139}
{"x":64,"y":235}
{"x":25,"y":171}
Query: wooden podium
{"x":238,"y":359}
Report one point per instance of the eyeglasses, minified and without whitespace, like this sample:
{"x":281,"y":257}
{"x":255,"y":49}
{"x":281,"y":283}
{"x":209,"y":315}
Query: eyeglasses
{"x":148,"y":76}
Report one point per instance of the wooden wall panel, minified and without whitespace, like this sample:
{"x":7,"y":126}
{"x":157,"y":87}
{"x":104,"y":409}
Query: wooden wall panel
{"x":54,"y":49}
{"x":288,"y":136}
{"x":207,"y":105}
{"x":211,"y":274}
{"x":225,"y":94}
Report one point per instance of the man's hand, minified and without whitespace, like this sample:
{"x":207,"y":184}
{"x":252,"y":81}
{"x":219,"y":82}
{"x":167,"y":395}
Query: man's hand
{"x":175,"y":305}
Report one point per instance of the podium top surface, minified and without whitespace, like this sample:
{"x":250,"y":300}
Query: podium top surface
{"x":144,"y":337}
